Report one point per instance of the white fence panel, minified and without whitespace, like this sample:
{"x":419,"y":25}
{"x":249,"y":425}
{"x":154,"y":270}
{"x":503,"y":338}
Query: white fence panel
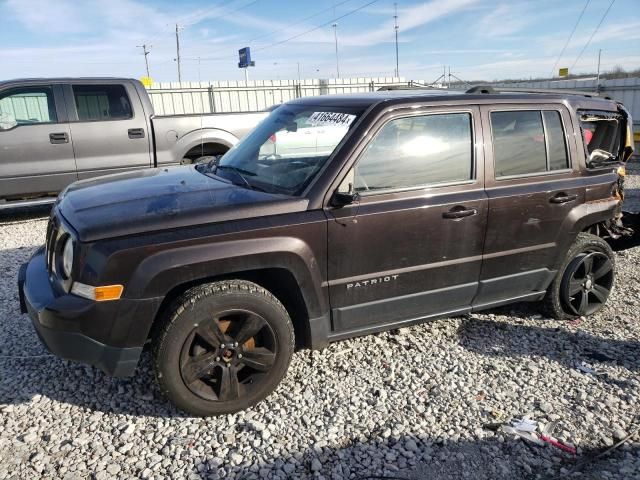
{"x":239,"y":96}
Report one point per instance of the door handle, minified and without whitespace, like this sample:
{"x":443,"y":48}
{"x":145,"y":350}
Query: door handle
{"x":57,"y":138}
{"x":563,"y":198}
{"x":459,"y":212}
{"x":136,"y":133}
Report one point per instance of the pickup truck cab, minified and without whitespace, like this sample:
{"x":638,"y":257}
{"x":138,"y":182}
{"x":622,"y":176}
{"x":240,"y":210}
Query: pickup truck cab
{"x":427,"y":205}
{"x":56,"y":131}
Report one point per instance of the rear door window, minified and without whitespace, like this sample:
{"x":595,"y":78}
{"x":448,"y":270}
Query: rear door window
{"x":102,"y":102}
{"x":528,"y":142}
{"x":418,"y":151}
{"x":27,"y":106}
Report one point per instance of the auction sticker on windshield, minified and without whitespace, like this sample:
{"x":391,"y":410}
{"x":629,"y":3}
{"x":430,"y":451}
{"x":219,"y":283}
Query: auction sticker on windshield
{"x":321,"y":119}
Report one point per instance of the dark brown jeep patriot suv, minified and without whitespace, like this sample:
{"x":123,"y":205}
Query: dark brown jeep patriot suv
{"x":337,"y":216}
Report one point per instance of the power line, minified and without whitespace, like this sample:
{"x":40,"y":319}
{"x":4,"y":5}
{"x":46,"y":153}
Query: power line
{"x":594,"y":33}
{"x":553,"y":69}
{"x":189,"y":19}
{"x":298,"y":22}
{"x":330,"y":22}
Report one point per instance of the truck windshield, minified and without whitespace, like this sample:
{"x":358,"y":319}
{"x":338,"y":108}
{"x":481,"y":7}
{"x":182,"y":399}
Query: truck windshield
{"x":287,"y":149}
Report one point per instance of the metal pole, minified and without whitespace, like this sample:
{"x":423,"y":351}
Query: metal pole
{"x":146,"y":52}
{"x":598,"y":77}
{"x":178,"y":53}
{"x":395,"y":19}
{"x":449,"y":79}
{"x":246,"y":74}
{"x":298,"y":71}
{"x":335,"y":36}
{"x":146,"y":60}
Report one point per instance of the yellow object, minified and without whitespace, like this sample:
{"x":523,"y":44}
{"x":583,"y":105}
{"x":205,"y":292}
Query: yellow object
{"x":146,"y":81}
{"x":109,"y":292}
{"x":563,"y":72}
{"x":622,"y":171}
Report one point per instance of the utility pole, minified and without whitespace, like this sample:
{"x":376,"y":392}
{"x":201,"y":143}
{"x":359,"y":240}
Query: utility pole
{"x":178,"y":52}
{"x":449,"y":79}
{"x":395,"y":20}
{"x":146,"y":52}
{"x":335,"y":36}
{"x":598,"y":77}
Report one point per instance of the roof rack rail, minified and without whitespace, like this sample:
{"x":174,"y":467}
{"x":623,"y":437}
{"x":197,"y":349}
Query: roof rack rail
{"x":489,"y":89}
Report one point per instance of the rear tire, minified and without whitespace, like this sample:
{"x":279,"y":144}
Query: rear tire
{"x":584,"y":280}
{"x":222,"y":347}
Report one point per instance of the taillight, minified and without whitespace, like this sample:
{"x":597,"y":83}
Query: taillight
{"x":273,"y":138}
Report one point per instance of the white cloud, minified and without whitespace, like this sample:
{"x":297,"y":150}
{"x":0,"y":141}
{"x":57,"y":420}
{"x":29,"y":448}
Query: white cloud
{"x":504,"y":20}
{"x":408,"y":19}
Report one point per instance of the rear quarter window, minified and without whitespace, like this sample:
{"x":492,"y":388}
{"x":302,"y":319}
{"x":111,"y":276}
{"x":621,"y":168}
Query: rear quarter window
{"x":527,"y":142}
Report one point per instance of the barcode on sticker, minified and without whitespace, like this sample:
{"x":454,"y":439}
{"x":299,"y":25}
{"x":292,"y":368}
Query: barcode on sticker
{"x":318,"y":119}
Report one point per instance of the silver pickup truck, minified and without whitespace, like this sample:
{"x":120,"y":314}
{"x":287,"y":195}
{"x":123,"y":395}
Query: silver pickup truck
{"x":59,"y":130}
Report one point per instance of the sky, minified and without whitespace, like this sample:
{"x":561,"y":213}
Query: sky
{"x":476,"y":39}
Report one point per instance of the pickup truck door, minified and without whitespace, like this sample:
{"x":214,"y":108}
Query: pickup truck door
{"x":410,"y":246}
{"x":36,"y":153}
{"x":109,"y":128}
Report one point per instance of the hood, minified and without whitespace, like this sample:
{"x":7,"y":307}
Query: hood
{"x":162,"y":198}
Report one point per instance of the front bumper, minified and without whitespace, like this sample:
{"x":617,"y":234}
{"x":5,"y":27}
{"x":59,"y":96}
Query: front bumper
{"x":83,"y":330}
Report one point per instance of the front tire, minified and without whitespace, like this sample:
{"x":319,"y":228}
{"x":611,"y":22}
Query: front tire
{"x":222,"y":347}
{"x":584,"y":281}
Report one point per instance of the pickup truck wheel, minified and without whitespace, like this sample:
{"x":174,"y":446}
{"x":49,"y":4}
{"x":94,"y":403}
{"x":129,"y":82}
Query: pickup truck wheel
{"x":223,"y":347}
{"x":584,"y":281}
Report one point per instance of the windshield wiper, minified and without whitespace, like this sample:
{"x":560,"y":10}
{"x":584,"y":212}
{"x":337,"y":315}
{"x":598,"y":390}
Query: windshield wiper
{"x":240,"y":173}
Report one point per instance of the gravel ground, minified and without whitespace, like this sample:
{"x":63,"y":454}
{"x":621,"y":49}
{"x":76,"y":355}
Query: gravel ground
{"x":409,"y":404}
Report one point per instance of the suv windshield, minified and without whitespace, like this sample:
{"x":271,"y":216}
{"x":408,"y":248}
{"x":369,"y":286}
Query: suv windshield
{"x":286,"y":151}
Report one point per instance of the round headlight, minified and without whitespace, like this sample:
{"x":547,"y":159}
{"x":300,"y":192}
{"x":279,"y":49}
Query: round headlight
{"x":67,"y":257}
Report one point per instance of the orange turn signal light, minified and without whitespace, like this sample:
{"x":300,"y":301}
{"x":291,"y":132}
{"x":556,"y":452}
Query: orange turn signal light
{"x":108,"y":292}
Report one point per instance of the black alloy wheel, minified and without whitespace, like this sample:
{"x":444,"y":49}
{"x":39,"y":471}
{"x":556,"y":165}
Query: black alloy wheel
{"x":587,"y":283}
{"x":584,"y":280}
{"x":228,"y":355}
{"x":222,"y":347}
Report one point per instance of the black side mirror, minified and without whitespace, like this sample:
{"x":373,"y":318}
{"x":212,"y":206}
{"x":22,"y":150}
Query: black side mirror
{"x":340,"y":199}
{"x":292,"y":127}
